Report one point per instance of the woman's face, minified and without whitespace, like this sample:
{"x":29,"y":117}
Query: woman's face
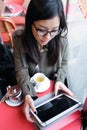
{"x":45,"y":30}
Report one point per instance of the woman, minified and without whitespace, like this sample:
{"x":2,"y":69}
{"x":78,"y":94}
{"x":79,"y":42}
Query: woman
{"x":41,"y":47}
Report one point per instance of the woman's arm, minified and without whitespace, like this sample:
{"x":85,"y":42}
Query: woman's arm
{"x":22,"y":74}
{"x":63,"y":61}
{"x":21,"y":67}
{"x":62,"y":68}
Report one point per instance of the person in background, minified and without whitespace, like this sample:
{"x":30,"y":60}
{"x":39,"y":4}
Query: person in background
{"x":7,"y":68}
{"x":41,"y":46}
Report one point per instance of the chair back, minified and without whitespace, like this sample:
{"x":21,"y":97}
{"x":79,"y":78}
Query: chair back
{"x":20,"y":2}
{"x":2,"y":6}
{"x":7,"y":27}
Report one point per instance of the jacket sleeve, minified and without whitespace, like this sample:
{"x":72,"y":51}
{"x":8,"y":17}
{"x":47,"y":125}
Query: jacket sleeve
{"x":21,"y":67}
{"x":63,"y":60}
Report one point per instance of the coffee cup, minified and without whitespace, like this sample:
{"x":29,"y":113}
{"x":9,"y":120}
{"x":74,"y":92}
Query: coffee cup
{"x":40,"y":82}
{"x":14,"y":94}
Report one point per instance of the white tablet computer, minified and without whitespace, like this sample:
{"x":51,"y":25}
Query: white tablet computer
{"x":54,"y":109}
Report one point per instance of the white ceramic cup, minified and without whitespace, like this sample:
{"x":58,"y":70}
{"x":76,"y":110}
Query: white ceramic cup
{"x":40,"y":82}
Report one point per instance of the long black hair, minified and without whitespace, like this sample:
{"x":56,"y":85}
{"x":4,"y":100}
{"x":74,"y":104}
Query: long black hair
{"x":43,"y":10}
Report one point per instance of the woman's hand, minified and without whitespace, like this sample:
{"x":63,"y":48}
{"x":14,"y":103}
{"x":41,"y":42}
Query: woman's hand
{"x":28,"y":103}
{"x":60,"y":86}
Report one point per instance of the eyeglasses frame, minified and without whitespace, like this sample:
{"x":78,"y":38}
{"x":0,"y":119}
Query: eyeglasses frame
{"x":37,"y":29}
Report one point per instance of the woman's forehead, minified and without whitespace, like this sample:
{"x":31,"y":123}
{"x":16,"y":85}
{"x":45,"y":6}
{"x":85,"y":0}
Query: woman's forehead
{"x":53,"y":22}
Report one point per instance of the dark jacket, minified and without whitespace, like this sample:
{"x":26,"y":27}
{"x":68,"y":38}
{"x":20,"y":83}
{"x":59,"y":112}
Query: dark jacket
{"x":7,"y":68}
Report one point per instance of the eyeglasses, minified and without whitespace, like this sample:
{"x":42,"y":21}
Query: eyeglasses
{"x":43,"y":33}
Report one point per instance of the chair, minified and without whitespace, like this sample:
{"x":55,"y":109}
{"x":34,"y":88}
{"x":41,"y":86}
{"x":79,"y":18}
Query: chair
{"x":19,"y":19}
{"x":17,"y":2}
{"x":20,"y":2}
{"x":7,"y":27}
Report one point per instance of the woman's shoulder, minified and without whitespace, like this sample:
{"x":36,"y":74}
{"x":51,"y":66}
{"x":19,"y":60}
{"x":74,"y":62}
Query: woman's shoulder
{"x":64,"y":43}
{"x":18,"y":38}
{"x":64,"y":40}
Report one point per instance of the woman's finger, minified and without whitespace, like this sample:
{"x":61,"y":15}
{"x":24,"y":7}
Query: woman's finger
{"x":27,"y":113}
{"x":61,"y":86}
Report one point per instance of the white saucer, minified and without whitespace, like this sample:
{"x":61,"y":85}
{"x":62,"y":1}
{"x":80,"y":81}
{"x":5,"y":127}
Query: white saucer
{"x":13,"y":104}
{"x":43,"y":89}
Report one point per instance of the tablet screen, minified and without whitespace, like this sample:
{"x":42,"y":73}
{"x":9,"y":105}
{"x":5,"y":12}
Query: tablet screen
{"x":55,"y":107}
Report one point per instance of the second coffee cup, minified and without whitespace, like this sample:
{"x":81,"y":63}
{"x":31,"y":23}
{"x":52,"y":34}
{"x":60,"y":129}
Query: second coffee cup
{"x":40,"y":82}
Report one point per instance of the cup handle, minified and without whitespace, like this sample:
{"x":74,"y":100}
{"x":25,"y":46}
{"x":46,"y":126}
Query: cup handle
{"x":36,"y":86}
{"x":32,"y":81}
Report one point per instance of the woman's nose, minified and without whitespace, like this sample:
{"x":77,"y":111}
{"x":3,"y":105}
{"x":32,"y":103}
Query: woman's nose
{"x":48,"y":36}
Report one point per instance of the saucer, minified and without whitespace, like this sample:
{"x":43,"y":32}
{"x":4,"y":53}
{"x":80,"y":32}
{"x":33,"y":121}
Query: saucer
{"x":42,"y":89}
{"x":13,"y":104}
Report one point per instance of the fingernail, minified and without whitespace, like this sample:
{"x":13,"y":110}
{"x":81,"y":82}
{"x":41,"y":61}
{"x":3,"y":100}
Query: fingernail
{"x":35,"y":112}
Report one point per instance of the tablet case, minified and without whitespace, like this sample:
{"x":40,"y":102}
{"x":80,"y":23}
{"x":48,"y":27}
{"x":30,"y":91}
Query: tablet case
{"x":53,"y":113}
